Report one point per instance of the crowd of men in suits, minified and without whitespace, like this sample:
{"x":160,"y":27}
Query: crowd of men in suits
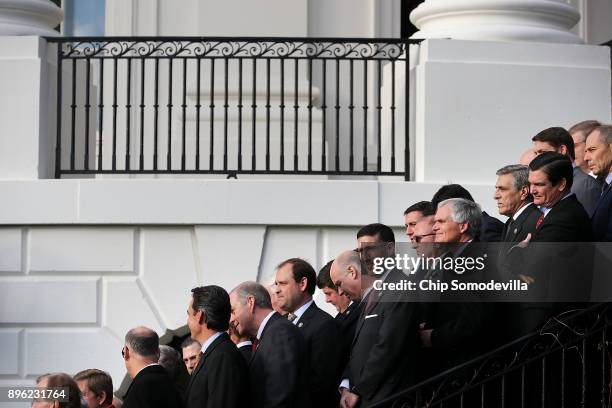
{"x":258,"y":346}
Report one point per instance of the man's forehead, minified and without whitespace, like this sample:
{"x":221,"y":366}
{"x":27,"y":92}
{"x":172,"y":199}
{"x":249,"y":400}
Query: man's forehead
{"x":370,"y":239}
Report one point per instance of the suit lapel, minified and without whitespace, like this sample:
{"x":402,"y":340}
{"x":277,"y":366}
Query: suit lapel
{"x":272,"y":319}
{"x":602,"y":199}
{"x":307,"y":315}
{"x":223,"y":337}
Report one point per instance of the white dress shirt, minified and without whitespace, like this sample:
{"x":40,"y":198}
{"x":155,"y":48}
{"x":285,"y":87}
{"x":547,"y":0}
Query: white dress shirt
{"x":300,"y":311}
{"x":263,"y":324}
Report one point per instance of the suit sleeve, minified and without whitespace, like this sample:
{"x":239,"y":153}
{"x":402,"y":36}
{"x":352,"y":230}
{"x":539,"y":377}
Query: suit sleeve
{"x":325,"y":356}
{"x":228,"y":377}
{"x":281,"y":374}
{"x":395,"y":332}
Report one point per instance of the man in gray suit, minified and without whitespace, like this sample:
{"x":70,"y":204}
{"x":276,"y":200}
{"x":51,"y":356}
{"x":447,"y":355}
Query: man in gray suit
{"x":556,"y":139}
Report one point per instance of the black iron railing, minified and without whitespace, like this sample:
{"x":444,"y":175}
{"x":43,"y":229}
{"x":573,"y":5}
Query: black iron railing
{"x":232,"y":105}
{"x":565,"y":364}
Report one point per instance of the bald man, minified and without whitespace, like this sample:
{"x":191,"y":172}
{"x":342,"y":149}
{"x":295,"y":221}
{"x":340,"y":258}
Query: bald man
{"x":527,"y":156}
{"x":384,"y":348}
{"x":151,"y":385}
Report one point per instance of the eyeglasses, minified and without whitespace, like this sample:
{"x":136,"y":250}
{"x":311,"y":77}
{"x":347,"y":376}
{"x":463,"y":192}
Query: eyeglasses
{"x":123,"y":352}
{"x":418,"y":238}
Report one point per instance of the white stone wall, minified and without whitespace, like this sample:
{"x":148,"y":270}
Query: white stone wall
{"x":83,"y":261}
{"x":68,"y":294}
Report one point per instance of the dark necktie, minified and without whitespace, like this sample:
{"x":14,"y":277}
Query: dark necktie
{"x":540,"y":221}
{"x":509,"y":230}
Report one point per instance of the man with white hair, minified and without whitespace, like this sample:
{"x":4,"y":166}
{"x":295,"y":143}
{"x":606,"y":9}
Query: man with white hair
{"x":455,"y":324}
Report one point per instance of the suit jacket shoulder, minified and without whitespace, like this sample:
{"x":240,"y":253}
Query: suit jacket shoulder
{"x":587,"y":190}
{"x":279,"y":367}
{"x":152,"y":388}
{"x":220,"y":378}
{"x":567,"y":221}
{"x":602,"y":217}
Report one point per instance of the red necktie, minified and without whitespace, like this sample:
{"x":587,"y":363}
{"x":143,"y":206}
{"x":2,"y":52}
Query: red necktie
{"x":540,"y":221}
{"x":254,"y":345}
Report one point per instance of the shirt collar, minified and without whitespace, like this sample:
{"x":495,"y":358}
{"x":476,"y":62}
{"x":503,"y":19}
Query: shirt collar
{"x":298,"y":313}
{"x":148,"y":365}
{"x":609,"y":178}
{"x":263,"y":324}
{"x":244,"y":343}
{"x":520,"y":211}
{"x":208,"y":342}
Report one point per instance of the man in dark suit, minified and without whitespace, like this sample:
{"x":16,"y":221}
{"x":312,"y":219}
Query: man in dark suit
{"x":454,"y":330}
{"x":384,"y":349}
{"x":151,"y":385}
{"x":295,"y":286}
{"x":559,"y":258}
{"x":348,"y":310}
{"x":598,"y":155}
{"x":556,"y":139}
{"x":515,"y":202}
{"x":490,"y":227}
{"x":221,"y":376}
{"x":279,"y":365}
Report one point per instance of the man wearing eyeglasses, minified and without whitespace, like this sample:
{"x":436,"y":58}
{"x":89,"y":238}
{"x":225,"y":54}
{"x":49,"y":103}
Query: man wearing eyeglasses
{"x":151,"y":385}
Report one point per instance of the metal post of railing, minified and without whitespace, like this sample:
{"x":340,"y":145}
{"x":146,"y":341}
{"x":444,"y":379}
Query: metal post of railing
{"x":58,"y":125}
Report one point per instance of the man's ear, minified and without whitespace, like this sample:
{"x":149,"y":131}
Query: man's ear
{"x":251,"y":303}
{"x":101,"y":398}
{"x":303,"y":283}
{"x":200,"y":316}
{"x":524,"y":193}
{"x":463,"y":227}
{"x":563,"y":150}
{"x":562,"y":184}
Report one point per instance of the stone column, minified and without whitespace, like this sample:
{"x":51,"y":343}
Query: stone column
{"x":499,"y":20}
{"x":27,"y":102}
{"x":489,"y":75}
{"x":29,"y":17}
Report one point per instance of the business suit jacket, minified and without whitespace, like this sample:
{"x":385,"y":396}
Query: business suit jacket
{"x":459,"y":319}
{"x":602,"y":217}
{"x":347,"y":321}
{"x":559,"y":258}
{"x":152,"y":388}
{"x":246,"y":351}
{"x":511,"y":261}
{"x":279,"y":367}
{"x":384,"y":350}
{"x":491,"y":229}
{"x":220,"y":378}
{"x":322,"y":336}
{"x":587,"y":190}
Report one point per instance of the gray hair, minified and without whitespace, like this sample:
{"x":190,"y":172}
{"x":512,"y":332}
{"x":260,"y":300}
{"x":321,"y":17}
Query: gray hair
{"x":519,"y":173}
{"x":465,"y":211}
{"x":171,"y":360}
{"x":605,"y":133}
{"x":257,"y":291}
{"x":144,"y":342}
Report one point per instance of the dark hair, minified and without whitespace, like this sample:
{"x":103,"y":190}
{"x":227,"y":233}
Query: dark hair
{"x":171,"y":360}
{"x":258,"y":291}
{"x":98,"y":382}
{"x":62,"y":380}
{"x":215,"y":303}
{"x":143,"y":341}
{"x":585,"y":127}
{"x":189,"y":341}
{"x":301,"y":269}
{"x":557,"y":137}
{"x":324,"y":279}
{"x":384,"y":233}
{"x":424,"y":207}
{"x":556,"y":167}
{"x":450,"y":191}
